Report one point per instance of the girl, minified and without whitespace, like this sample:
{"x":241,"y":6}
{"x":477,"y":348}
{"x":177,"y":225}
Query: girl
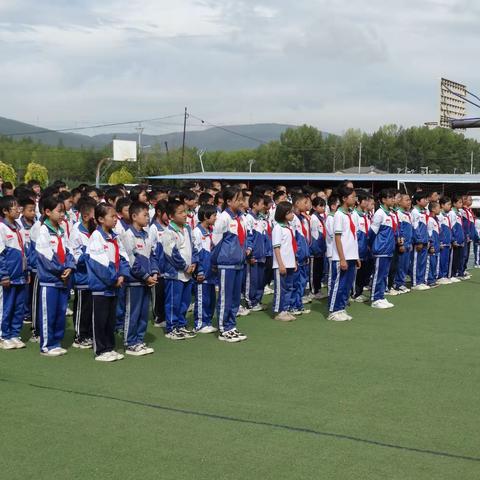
{"x":284,"y":262}
{"x":318,"y":247}
{"x":229,"y":236}
{"x":55,"y":265}
{"x":107,"y":268}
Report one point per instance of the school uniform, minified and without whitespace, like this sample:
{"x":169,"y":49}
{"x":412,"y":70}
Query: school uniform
{"x":255,"y":273}
{"x":180,"y":253}
{"x":420,"y":236}
{"x":120,"y":228}
{"x":25,"y":229}
{"x":268,"y":273}
{"x":318,"y":249}
{"x":405,"y":234}
{"x":106,"y":261}
{"x":301,"y":228}
{"x":433,"y":269}
{"x":468,"y":223}
{"x":204,"y":291}
{"x":364,"y":273}
{"x":342,"y":280}
{"x":229,"y":240}
{"x":191,"y":219}
{"x":138,"y":248}
{"x":458,"y":242}
{"x":476,"y":248}
{"x":283,"y":238}
{"x":53,"y":258}
{"x":394,"y":263}
{"x":13,"y":267}
{"x":155,"y":233}
{"x":35,"y":286}
{"x":445,"y":245}
{"x":82,"y":302}
{"x":329,"y":242}
{"x":381,"y":239}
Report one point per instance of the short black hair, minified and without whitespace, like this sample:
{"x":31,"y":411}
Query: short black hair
{"x":136,"y":191}
{"x":122,"y":203}
{"x":417,"y":196}
{"x":318,"y":202}
{"x":173,"y":206}
{"x":278,"y":194}
{"x":137,"y":207}
{"x":204,"y":197}
{"x":187,"y":195}
{"x":64,"y":195}
{"x":112,"y":193}
{"x":255,"y":198}
{"x":282,"y":210}
{"x":85,"y":204}
{"x":206,"y":211}
{"x":6,"y":203}
{"x":24,"y":201}
{"x":333,"y":200}
{"x":344,"y":192}
{"x":445,"y":200}
{"x":386,"y":193}
{"x":298,"y":196}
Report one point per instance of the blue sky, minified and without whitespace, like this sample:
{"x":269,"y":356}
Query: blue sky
{"x":333,"y":64}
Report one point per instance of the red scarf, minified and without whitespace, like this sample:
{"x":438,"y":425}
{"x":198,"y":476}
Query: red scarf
{"x":394,"y":221}
{"x":114,"y":242}
{"x":240,"y":232}
{"x":352,"y":225}
{"x":60,"y":250}
{"x":294,"y":241}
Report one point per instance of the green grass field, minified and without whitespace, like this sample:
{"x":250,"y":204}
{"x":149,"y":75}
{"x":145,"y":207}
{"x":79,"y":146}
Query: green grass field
{"x":391,"y":395}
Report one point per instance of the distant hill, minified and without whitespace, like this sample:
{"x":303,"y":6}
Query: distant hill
{"x":210,"y":138}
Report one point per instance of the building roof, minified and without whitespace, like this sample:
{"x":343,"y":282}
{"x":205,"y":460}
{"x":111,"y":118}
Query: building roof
{"x":321,"y":177}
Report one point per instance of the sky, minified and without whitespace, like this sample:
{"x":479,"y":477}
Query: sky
{"x":332,"y":64}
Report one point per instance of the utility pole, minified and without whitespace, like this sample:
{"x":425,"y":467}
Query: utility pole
{"x":139,"y":130}
{"x":183,"y":142}
{"x":471,"y":163}
{"x":360,"y":158}
{"x":166,"y":147}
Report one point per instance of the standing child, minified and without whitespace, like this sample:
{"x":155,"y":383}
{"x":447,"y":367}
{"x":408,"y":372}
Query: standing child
{"x":404,"y":243}
{"x":190,"y":200}
{"x":229,"y":240}
{"x":345,"y":259}
{"x":318,"y":247}
{"x":419,"y":241}
{"x":381,"y":237}
{"x":181,"y":260}
{"x":458,"y":238}
{"x":107,"y":268}
{"x":55,"y":265}
{"x":268,"y":276}
{"x":332,"y":205}
{"x":204,"y":282}
{"x":445,"y":241}
{"x":142,"y":276}
{"x":433,"y":227}
{"x":284,"y":262}
{"x":14,"y":275}
{"x":476,"y":246}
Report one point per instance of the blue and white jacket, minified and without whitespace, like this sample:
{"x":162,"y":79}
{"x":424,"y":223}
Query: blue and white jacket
{"x":301,"y":227}
{"x":25,"y":229}
{"x":155,"y":233}
{"x":405,"y":229}
{"x":434,"y":234}
{"x":318,"y":231}
{"x":445,"y":230}
{"x":458,"y":234}
{"x":180,"y":253}
{"x":361,"y":221}
{"x":138,"y":247}
{"x":419,"y":225}
{"x":13,"y":256}
{"x":106,"y":262}
{"x":268,"y":236}
{"x":381,"y":236}
{"x":49,"y":266}
{"x":227,"y":251}
{"x":79,"y":237}
{"x":34,"y":232}
{"x":256,"y":233}
{"x":202,"y":240}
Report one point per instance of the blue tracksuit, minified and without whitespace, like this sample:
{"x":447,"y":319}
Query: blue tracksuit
{"x":120,"y":229}
{"x":433,"y":267}
{"x":405,"y":232}
{"x":420,"y":236}
{"x":180,"y":252}
{"x":204,"y":291}
{"x":53,"y":258}
{"x":445,"y":245}
{"x":301,"y":227}
{"x":341,"y":282}
{"x":138,"y":247}
{"x":381,"y":238}
{"x":27,"y":244}
{"x":13,"y":267}
{"x":228,"y":256}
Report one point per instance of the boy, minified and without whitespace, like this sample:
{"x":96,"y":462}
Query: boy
{"x":189,"y":199}
{"x":419,"y":241}
{"x":205,"y":284}
{"x":458,"y":238}
{"x":256,"y":254}
{"x":433,"y":227}
{"x":14,"y":275}
{"x":468,"y":222}
{"x":318,"y":247}
{"x":181,"y":260}
{"x":404,"y":243}
{"x":445,"y":241}
{"x":143,"y":275}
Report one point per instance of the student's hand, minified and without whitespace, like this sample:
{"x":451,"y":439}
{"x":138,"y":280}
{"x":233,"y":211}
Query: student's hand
{"x":419,"y":247}
{"x":359,"y":264}
{"x":155,"y":277}
{"x":455,"y":244}
{"x":66,"y":273}
{"x":150,"y":281}
{"x":200,"y":278}
{"x":400,"y":241}
{"x":248,"y":251}
{"x":283,"y":270}
{"x":119,"y":282}
{"x":252,"y":261}
{"x":190,"y":269}
{"x":343,"y":265}
{"x":5,"y":283}
{"x":401,"y":249}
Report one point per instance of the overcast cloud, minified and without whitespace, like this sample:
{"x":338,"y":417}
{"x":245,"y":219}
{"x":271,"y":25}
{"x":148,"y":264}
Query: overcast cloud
{"x":333,"y":64}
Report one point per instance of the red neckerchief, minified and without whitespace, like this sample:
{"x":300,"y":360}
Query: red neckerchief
{"x":114,"y":242}
{"x":394,"y":221}
{"x":352,"y":225}
{"x":322,"y":223}
{"x":19,"y":237}
{"x":294,"y":241}
{"x":269,"y":228}
{"x":68,"y":228}
{"x":60,"y":250}
{"x":240,"y":231}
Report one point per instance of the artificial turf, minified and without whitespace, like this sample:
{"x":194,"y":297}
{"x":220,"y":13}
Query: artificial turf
{"x":391,"y":395}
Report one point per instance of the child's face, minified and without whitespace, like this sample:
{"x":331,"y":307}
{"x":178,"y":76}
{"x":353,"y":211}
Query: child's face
{"x":211,"y":219}
{"x":351,"y":200}
{"x":191,"y":204}
{"x":142,"y":196}
{"x":405,"y":202}
{"x":93,"y":195}
{"x":236,"y":202}
{"x":124,"y":213}
{"x":180,"y":216}
{"x":259,"y":207}
{"x":76,"y":197}
{"x":398,"y":198}
{"x":389,"y":202}
{"x":289,"y":216}
{"x":435,"y":210}
{"x":333,"y":207}
{"x":302,"y":205}
{"x":141,"y":218}
{"x":320,"y":209}
{"x":423,"y":202}
{"x":109,"y":220}
{"x":459,"y":204}
{"x":68,"y":204}
{"x":282,"y":198}
{"x":13,"y":212}
{"x":29,"y":212}
{"x":57,"y":215}
{"x":447,"y":207}
{"x":363,"y":205}
{"x":88,"y":215}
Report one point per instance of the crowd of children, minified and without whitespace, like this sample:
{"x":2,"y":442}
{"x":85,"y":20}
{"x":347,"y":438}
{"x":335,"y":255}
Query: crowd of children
{"x":215,"y":250}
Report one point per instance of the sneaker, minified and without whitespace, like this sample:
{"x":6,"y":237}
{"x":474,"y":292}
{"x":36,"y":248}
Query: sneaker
{"x":69,"y":312}
{"x":62,"y":350}
{"x":7,"y":344}
{"x":240,"y":335}
{"x":187,"y":333}
{"x":284,"y":317}
{"x":403,"y":289}
{"x":34,"y":339}
{"x":296,"y":312}
{"x":54,"y":352}
{"x":17,"y":341}
{"x":148,"y":349}
{"x":433,"y":285}
{"x":320,"y":296}
{"x":207,"y":329}
{"x":382,"y":304}
{"x":160,"y":324}
{"x":421,"y":287}
{"x":268,"y":291}
{"x":339,"y":317}
{"x":360,"y":299}
{"x":175,"y":335}
{"x":467,"y":276}
{"x":454,"y":280}
{"x":106,"y":357}
{"x":349,"y":317}
{"x":305,"y":311}
{"x":306,"y":299}
{"x":27,"y":321}
{"x":82,"y":344}
{"x":229,"y":337}
{"x":392,"y":292}
{"x":136,"y":350}
{"x":443,"y":281}
{"x":258,"y":308}
{"x":243,"y":311}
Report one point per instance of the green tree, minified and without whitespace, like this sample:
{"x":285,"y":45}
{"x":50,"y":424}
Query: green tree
{"x":38,"y":172}
{"x":120,"y":176}
{"x":7,"y":172}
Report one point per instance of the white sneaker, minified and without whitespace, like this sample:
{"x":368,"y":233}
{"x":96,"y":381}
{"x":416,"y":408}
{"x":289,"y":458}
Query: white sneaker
{"x":296,"y":312}
{"x":403,"y":289}
{"x":106,"y":357}
{"x":284,"y":317}
{"x":160,"y":324}
{"x":349,"y":317}
{"x":476,"y":266}
{"x":54,"y":352}
{"x":258,"y":308}
{"x":392,"y":292}
{"x":7,"y":344}
{"x":136,"y":350}
{"x":240,"y":335}
{"x":421,"y":287}
{"x":268,"y":291}
{"x":360,"y":299}
{"x":443,"y":281}
{"x":382,"y":304}
{"x":320,"y":296}
{"x":117,"y":355}
{"x":306,"y":299}
{"x":242,"y":311}
{"x":18,"y":342}
{"x":454,"y":280}
{"x":229,"y":337}
{"x":207,"y":329}
{"x":339,"y":317}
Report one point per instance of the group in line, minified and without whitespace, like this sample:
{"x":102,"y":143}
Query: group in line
{"x":121,"y":253}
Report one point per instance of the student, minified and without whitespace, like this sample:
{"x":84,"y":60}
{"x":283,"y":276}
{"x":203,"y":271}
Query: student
{"x":256,"y":253}
{"x":284,"y":262}
{"x":445,"y":241}
{"x":156,"y":231}
{"x":181,"y":260}
{"x":113,"y":195}
{"x":332,"y":205}
{"x":268,"y":275}
{"x":189,"y":199}
{"x":394,"y":263}
{"x":154,"y":197}
{"x":318,"y":246}
{"x":404,"y":243}
{"x":67,"y":224}
{"x":14,"y":275}
{"x":468,"y":222}
{"x":142,"y":276}
{"x":138,"y":193}
{"x":381,"y":237}
{"x":229,"y":240}
{"x":476,"y":245}
{"x":82,"y":302}
{"x":433,"y":227}
{"x":362,"y":225}
{"x":419,"y":241}
{"x":278,"y":196}
{"x":107,"y":267}
{"x":345,"y":258}
{"x":204,"y":285}
{"x":55,"y":265}
{"x":458,"y":238}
